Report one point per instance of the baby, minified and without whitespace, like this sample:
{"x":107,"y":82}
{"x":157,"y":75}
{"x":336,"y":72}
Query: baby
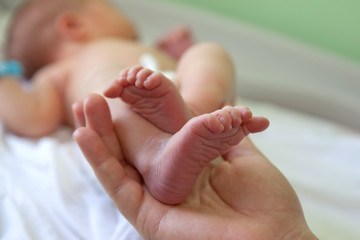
{"x":168,"y":131}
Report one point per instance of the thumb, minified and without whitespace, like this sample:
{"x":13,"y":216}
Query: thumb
{"x":126,"y":193}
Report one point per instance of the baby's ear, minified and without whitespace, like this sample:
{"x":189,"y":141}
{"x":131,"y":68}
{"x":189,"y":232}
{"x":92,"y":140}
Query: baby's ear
{"x":70,"y":26}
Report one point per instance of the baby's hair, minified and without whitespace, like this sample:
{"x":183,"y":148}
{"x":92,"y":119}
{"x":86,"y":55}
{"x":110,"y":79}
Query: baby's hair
{"x":31,"y":37}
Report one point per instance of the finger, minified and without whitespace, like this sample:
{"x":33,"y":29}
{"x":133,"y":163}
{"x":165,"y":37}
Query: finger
{"x":78,"y":112}
{"x":97,"y":114}
{"x":98,"y":118}
{"x":126,"y":193}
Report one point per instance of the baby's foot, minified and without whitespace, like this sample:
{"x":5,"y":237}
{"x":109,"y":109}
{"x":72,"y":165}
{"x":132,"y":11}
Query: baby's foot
{"x":153,"y":96}
{"x":201,"y":140}
{"x":176,"y":42}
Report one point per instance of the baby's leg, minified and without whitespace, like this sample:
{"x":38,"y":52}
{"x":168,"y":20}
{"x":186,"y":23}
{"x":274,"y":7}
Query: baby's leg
{"x":206,"y":78}
{"x":153,"y":96}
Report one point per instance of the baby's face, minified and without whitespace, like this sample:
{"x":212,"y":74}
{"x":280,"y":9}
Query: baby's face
{"x":106,"y":21}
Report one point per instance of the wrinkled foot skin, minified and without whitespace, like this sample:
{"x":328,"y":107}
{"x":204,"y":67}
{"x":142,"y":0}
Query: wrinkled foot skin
{"x":200,"y":141}
{"x":153,"y":96}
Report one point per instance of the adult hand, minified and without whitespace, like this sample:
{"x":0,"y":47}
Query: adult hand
{"x":243,"y":197}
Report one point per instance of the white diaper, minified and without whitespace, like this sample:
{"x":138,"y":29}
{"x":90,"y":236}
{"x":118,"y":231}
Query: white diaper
{"x":149,"y":61}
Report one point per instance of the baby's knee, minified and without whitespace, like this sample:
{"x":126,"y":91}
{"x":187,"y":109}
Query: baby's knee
{"x":206,"y":47}
{"x":205,"y":51}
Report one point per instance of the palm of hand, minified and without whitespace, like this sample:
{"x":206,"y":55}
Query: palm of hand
{"x":245,"y":197}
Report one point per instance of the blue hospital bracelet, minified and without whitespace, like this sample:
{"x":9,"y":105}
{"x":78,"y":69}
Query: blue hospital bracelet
{"x":11,"y":68}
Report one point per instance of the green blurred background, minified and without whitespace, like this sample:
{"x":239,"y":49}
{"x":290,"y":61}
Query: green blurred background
{"x":332,"y":25}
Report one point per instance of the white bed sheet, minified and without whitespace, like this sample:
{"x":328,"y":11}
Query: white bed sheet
{"x":48,"y":191}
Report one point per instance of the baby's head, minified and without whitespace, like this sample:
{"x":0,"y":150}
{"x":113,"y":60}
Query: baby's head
{"x":43,"y":31}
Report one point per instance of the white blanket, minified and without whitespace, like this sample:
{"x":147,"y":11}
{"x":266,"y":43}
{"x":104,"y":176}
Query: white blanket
{"x":48,"y":191}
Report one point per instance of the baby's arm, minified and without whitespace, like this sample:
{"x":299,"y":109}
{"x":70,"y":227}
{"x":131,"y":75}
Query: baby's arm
{"x":32,"y":112}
